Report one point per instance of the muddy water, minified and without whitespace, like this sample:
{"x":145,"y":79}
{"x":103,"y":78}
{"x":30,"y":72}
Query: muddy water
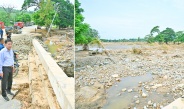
{"x":118,"y":99}
{"x":116,"y":47}
{"x":112,"y":46}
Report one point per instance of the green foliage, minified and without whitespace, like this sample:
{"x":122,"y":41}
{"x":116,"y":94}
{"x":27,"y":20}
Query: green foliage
{"x":44,"y":15}
{"x":155,"y":30}
{"x":31,"y":3}
{"x":23,"y":18}
{"x":160,"y":38}
{"x":179,"y":37}
{"x":84,"y":34}
{"x":16,"y":16}
{"x":45,"y":10}
{"x":149,"y":38}
{"x":138,"y":39}
{"x":65,"y":13}
{"x":167,"y":35}
{"x":3,"y":18}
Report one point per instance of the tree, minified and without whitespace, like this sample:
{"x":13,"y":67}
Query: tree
{"x":8,"y":8}
{"x":179,"y":37}
{"x":65,"y":12}
{"x":138,"y":39}
{"x":168,"y":34}
{"x":4,"y":17}
{"x":44,"y":15}
{"x":84,"y":34}
{"x":155,"y":30}
{"x":159,"y":38}
{"x":149,"y":38}
{"x":23,"y":18}
{"x":31,"y":3}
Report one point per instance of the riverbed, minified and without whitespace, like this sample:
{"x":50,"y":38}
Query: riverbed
{"x":151,"y":78}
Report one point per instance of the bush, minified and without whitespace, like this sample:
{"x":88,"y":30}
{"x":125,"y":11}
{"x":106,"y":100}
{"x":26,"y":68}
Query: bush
{"x":137,"y":51}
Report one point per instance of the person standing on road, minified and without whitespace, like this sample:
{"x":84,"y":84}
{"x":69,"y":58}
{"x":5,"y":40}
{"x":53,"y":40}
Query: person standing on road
{"x":1,"y":32}
{"x":6,"y":68}
{"x":1,"y":43}
{"x":8,"y":35}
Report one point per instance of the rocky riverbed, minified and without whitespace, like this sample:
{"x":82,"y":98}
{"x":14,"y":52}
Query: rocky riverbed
{"x":107,"y":84}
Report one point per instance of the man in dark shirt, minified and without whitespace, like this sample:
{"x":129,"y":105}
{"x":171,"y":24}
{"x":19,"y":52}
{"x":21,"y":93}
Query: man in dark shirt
{"x":1,"y":43}
{"x":1,"y":32}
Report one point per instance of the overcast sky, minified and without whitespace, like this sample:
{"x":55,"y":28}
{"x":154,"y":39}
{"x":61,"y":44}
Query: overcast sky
{"x":18,"y":3}
{"x":118,"y":19}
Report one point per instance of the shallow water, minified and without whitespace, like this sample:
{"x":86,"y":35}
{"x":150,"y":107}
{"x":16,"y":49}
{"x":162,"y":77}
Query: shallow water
{"x":116,"y":99}
{"x":116,"y":47}
{"x":111,"y":47}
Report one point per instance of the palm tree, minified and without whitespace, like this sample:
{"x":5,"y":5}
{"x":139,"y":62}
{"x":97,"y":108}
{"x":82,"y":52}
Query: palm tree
{"x":155,"y":30}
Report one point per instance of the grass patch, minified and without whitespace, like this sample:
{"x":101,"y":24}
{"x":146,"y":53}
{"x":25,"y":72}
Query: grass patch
{"x":52,"y":48}
{"x":136,"y":51}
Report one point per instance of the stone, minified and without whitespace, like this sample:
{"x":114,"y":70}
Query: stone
{"x":136,"y":97}
{"x":115,"y":75}
{"x":165,"y":77}
{"x":140,"y":82}
{"x":154,"y":105}
{"x":145,"y":107}
{"x":124,"y":89}
{"x":109,"y":84}
{"x":144,"y":95}
{"x":137,"y":102}
{"x":130,"y":90}
{"x":150,"y":103}
{"x":118,"y":79}
{"x":181,"y":85}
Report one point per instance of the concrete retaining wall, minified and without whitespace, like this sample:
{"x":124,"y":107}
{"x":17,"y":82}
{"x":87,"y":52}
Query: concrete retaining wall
{"x":62,"y":85}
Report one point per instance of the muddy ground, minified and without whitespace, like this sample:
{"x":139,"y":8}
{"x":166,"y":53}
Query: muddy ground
{"x":23,"y":44}
{"x":137,"y":75}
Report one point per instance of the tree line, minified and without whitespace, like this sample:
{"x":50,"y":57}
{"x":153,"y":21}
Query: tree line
{"x":165,"y":36}
{"x":10,"y":16}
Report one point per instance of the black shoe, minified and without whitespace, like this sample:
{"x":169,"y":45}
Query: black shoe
{"x":6,"y":98}
{"x":9,"y":92}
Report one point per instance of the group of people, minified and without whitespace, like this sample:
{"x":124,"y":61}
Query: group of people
{"x":6,"y":67}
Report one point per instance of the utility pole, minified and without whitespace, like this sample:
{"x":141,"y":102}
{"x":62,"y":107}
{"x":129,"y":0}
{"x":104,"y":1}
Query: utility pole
{"x":53,"y":19}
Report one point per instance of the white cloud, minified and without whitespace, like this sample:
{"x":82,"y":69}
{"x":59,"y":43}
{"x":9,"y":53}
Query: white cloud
{"x":16,"y":3}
